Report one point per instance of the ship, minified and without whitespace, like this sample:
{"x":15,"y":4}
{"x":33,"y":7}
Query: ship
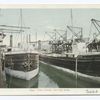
{"x":22,"y":61}
{"x":77,"y":54}
{"x":22,"y":64}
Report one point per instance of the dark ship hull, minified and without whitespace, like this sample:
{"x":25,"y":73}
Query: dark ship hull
{"x":22,"y":65}
{"x":88,"y":64}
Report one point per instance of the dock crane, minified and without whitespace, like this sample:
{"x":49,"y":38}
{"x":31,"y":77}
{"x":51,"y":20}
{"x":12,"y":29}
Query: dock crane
{"x":57,"y":40}
{"x":57,"y":35}
{"x":4,"y":29}
{"x":78,"y":34}
{"x":95,"y":44}
{"x":9,"y":26}
{"x":96,"y":25}
{"x":60,"y":43}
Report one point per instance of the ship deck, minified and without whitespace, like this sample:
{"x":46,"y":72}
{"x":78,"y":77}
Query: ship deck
{"x":74,"y":54}
{"x":20,"y":52}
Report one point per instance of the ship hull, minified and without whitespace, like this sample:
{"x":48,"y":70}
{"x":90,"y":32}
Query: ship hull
{"x":86,"y":64}
{"x":22,"y":75}
{"x":22,"y":65}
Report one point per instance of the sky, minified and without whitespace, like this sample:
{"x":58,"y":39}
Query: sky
{"x":46,"y":20}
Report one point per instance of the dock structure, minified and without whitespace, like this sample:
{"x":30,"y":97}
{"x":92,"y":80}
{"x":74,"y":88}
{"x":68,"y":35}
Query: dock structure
{"x":2,"y":76}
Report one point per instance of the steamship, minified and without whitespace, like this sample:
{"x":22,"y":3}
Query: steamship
{"x":78,"y":54}
{"x":22,"y":64}
{"x":21,"y":61}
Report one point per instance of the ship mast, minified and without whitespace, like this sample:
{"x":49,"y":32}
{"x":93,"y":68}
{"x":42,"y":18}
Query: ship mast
{"x":36,"y":40}
{"x":72,"y":24}
{"x":76,"y":61}
{"x":21,"y":26}
{"x":65,"y":36}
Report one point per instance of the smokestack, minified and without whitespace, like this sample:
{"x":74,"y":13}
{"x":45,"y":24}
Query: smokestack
{"x":11,"y":40}
{"x":39,"y":45}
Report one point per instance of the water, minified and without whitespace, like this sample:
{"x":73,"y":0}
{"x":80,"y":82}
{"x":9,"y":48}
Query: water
{"x":52,"y":77}
{"x":40,"y":81}
{"x":45,"y":81}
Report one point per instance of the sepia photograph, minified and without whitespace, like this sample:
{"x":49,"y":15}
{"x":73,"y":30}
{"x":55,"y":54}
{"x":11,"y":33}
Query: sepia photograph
{"x":50,"y":47}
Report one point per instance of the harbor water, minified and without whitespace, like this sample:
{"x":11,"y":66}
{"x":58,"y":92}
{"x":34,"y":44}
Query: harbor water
{"x":52,"y":77}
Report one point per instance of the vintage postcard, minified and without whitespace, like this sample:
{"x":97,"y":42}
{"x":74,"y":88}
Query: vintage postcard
{"x":49,"y":49}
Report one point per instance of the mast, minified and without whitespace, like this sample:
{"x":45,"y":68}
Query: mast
{"x":66,"y":35}
{"x":81,"y":34}
{"x":29,"y":38}
{"x":72,"y":24}
{"x":21,"y":26}
{"x":36,"y":40}
{"x":76,"y":62}
{"x":55,"y":36}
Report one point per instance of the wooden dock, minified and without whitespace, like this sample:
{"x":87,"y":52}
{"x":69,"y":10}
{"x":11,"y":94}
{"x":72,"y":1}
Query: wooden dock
{"x":2,"y":75}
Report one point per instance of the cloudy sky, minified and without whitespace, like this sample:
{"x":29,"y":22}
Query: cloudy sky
{"x":45,"y":20}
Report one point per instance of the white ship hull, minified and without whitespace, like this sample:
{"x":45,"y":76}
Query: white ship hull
{"x":21,"y":74}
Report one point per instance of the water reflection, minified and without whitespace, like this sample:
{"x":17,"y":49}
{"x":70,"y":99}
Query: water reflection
{"x":13,"y":82}
{"x":65,"y":79}
{"x":40,"y":81}
{"x":45,"y":81}
{"x":50,"y":77}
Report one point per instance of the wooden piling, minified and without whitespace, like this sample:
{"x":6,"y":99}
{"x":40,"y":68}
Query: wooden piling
{"x":2,"y":76}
